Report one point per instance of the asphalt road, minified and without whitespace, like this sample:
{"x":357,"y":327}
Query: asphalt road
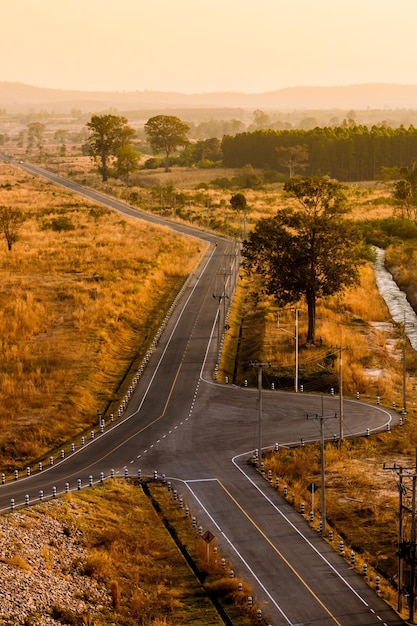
{"x":201,"y":435}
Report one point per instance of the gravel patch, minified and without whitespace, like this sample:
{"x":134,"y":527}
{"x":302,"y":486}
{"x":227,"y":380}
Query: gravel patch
{"x":42,"y":564}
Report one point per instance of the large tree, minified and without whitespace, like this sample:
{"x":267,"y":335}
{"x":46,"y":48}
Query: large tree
{"x":309,"y":250}
{"x":165,"y":133}
{"x":108,"y":133}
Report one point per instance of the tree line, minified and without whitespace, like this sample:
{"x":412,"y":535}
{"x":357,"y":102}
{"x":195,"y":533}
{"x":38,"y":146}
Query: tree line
{"x":346,"y":153}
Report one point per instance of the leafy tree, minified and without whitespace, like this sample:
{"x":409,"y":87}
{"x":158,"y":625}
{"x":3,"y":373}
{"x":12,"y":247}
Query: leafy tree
{"x":309,"y":251}
{"x":108,"y":133}
{"x":238,"y":202}
{"x":165,"y":133}
{"x":207,"y":150}
{"x":248,"y":178}
{"x":261,"y":119}
{"x":36,"y":132}
{"x":293,"y":158}
{"x":61,"y":135}
{"x":403,"y":194}
{"x":127,"y":161}
{"x":10,"y":223}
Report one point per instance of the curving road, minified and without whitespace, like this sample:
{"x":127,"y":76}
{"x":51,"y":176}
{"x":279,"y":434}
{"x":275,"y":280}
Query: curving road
{"x":200,"y":434}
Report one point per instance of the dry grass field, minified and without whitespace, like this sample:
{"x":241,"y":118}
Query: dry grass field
{"x":82,"y":293}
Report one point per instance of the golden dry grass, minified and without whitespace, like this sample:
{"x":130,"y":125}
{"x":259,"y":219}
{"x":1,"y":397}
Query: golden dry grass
{"x":358,"y":320}
{"x":76,"y":308}
{"x":361,"y":496}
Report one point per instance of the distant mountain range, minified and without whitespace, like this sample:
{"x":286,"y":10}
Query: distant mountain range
{"x":19,"y":97}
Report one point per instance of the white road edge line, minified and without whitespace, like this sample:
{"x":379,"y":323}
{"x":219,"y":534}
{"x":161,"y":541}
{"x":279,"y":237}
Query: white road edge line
{"x":298,"y":531}
{"x":186,"y":482}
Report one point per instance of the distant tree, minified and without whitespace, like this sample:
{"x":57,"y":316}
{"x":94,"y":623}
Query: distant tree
{"x":388,"y":174}
{"x":405,"y":191}
{"x":127,"y":158}
{"x":307,"y":252}
{"x":260,"y":119}
{"x":248,"y":178}
{"x":207,"y":150}
{"x":36,"y":131}
{"x":61,"y":135}
{"x":293,"y":158}
{"x":308,"y":123}
{"x":403,"y":195}
{"x":239,"y":204}
{"x":10,"y":222}
{"x":108,"y":133}
{"x":165,"y":133}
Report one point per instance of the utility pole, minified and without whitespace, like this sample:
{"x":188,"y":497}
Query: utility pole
{"x":222,"y":297}
{"x":259,"y":378}
{"x":413,"y":551}
{"x":296,"y":352}
{"x":322,"y":418}
{"x":404,"y":370}
{"x":341,"y":408}
{"x":406,"y":552}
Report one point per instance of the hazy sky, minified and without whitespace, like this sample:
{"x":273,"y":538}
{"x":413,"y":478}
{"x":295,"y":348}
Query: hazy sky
{"x":194,"y":46}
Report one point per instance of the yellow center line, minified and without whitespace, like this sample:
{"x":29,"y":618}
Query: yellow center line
{"x":294,"y":571}
{"x":140,"y":430}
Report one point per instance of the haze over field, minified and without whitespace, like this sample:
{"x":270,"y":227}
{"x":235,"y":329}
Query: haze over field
{"x":196,"y":46}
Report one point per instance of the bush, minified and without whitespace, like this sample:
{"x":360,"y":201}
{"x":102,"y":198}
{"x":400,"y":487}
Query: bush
{"x":59,"y":224}
{"x":390,"y":230}
{"x":222,"y":183}
{"x":153,"y":163}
